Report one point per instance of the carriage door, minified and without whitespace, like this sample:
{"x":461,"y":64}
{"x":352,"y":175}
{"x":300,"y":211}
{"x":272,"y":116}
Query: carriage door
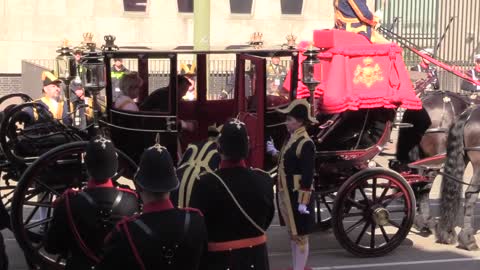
{"x":250,"y":96}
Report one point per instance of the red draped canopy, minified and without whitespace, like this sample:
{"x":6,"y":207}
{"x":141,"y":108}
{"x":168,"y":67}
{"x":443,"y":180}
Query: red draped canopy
{"x":357,"y":74}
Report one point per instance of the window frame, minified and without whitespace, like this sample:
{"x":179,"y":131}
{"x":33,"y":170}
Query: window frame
{"x":243,"y":15}
{"x":185,"y":13}
{"x":139,"y":13}
{"x":292,"y":15}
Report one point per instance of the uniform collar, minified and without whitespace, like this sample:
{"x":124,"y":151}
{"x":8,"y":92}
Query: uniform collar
{"x":92,"y":184}
{"x":158,"y":206}
{"x":300,"y":131}
{"x":226,"y":164}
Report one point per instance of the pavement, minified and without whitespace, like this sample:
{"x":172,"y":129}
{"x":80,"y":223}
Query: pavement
{"x":417,"y":252}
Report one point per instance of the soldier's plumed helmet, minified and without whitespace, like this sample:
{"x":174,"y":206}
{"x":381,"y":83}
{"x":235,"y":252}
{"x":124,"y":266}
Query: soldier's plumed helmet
{"x":233,"y":140}
{"x":101,"y":158}
{"x":156,"y":172}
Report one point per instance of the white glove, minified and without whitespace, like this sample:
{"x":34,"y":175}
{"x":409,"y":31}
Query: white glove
{"x":271,"y":150}
{"x":302,"y":208}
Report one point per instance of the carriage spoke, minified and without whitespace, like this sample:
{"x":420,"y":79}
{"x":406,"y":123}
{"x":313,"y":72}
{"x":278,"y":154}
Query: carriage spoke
{"x":360,"y":236}
{"x":374,"y":190}
{"x":356,"y":214}
{"x":326,"y":204}
{"x":385,"y":191}
{"x":39,"y":204}
{"x":364,"y":196}
{"x":356,"y":204}
{"x":384,"y":233}
{"x":38,"y":223}
{"x":355,"y":225}
{"x":392,"y":197}
{"x":394,"y":224}
{"x":40,"y":182}
{"x":30,"y":216}
{"x":372,"y":236}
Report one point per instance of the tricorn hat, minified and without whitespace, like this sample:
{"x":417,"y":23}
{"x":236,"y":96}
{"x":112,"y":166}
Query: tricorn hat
{"x":214,"y":130}
{"x":233,"y":140}
{"x":156,"y":172}
{"x":101,"y":158}
{"x":299,"y":109}
{"x":48,"y":78}
{"x":188,"y":69}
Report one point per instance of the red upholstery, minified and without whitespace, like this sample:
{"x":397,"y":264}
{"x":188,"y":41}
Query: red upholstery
{"x":255,"y":157}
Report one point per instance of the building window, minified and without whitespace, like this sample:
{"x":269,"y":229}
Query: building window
{"x":135,"y":5}
{"x":241,"y":6}
{"x":291,"y":7}
{"x":185,"y":6}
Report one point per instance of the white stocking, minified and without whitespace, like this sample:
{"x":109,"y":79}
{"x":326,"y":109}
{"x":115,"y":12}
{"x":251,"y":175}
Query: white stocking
{"x":301,"y":256}
{"x":293,"y":247}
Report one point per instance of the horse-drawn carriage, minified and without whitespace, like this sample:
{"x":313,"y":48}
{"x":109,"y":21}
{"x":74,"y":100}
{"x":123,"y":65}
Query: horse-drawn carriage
{"x":371,"y":209}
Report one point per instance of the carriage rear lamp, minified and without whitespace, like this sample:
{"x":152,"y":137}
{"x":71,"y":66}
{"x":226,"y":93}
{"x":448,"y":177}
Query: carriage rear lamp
{"x":308,"y":66}
{"x":94,"y":75}
{"x":65,"y":67}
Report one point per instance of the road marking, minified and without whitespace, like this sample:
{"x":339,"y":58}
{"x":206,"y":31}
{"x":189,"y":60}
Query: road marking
{"x":356,"y":266}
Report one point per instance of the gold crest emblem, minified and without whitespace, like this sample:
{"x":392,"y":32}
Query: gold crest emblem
{"x":369,"y":73}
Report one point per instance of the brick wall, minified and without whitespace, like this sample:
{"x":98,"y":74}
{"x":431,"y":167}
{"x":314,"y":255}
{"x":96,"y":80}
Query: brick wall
{"x":10,"y":83}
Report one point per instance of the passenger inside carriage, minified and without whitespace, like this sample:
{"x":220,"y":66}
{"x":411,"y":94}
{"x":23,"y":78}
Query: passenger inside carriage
{"x":159,"y":99}
{"x":130,"y":88}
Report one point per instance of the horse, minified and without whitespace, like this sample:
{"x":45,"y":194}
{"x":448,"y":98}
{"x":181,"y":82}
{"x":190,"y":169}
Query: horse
{"x":426,"y":138}
{"x":463,"y":146}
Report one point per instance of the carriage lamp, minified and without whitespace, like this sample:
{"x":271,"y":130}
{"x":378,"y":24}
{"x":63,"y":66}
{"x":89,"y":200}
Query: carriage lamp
{"x":65,"y":67}
{"x":308,"y":75}
{"x":94,"y":76}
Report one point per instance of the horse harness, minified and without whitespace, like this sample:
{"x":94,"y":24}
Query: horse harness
{"x":440,"y":128}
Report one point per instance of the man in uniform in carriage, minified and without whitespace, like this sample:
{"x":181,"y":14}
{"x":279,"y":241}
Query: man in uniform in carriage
{"x":52,"y":100}
{"x":425,"y":67}
{"x":237,"y":203}
{"x":198,"y":158}
{"x":82,"y":219}
{"x":355,"y":16}
{"x":163,"y":236}
{"x":474,"y":74}
{"x":296,"y":164}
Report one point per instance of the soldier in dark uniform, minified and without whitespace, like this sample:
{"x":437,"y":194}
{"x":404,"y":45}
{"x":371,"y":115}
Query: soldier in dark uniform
{"x":424,"y":66}
{"x":198,"y":158}
{"x":354,"y":16}
{"x":4,"y":223}
{"x":162,"y":237}
{"x":238,"y":205}
{"x":295,"y":180}
{"x":474,"y":74}
{"x":81,"y":220}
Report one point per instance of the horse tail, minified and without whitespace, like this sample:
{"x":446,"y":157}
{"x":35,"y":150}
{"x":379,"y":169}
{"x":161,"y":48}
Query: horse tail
{"x":451,"y":190}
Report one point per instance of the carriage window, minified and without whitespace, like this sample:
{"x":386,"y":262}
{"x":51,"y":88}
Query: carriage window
{"x":277,"y":70}
{"x":221,"y":84}
{"x":135,"y":5}
{"x":241,"y":6}
{"x":291,"y":7}
{"x":159,"y":92}
{"x":250,"y":78}
{"x":185,"y":6}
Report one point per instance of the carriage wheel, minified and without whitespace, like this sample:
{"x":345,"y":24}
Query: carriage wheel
{"x":44,"y":181}
{"x":323,"y":210}
{"x":373,"y":212}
